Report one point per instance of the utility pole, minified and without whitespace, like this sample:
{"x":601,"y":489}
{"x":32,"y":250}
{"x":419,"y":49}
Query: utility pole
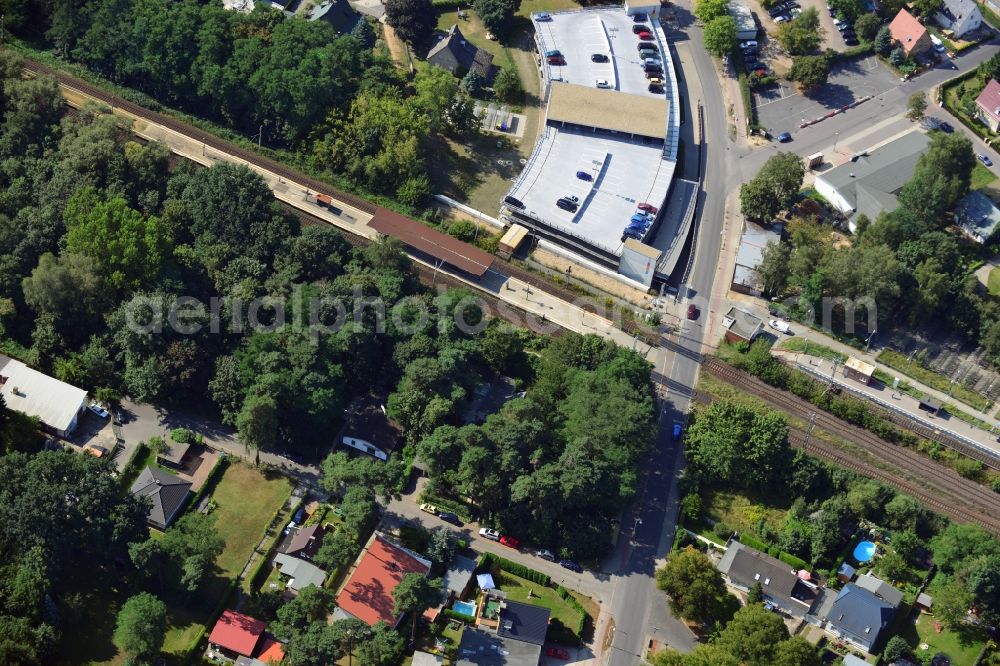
{"x":809,"y":431}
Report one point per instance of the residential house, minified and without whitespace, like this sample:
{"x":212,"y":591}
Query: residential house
{"x":746,"y":23}
{"x":367,"y":595}
{"x":909,"y":34}
{"x":302,"y":541}
{"x":880,"y":589}
{"x":977,"y":216}
{"x":301,"y":574}
{"x":869,"y":182}
{"x":750,"y":255}
{"x":743,"y":567}
{"x":988,"y":105}
{"x":458,"y":576}
{"x":960,"y":17}
{"x":513,"y":638}
{"x":236,"y":635}
{"x":57,"y":405}
{"x":338,"y":14}
{"x":458,"y":55}
{"x":855,"y":614}
{"x":165,"y":491}
{"x":741,"y":326}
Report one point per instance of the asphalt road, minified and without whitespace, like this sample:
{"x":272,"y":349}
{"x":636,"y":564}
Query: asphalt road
{"x":638,"y":608}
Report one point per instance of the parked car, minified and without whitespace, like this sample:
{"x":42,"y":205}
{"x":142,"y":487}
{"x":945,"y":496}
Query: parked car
{"x":449,"y":517}
{"x":556,"y":653}
{"x":946,"y":128}
{"x":646,"y":36}
{"x":776,"y":10}
{"x":429,"y":508}
{"x":655,"y":87}
{"x":985,"y":160}
{"x":782,"y":18}
{"x":95,"y":450}
{"x":543,"y":16}
{"x":851,"y":41}
{"x":678,"y":431}
{"x":598,"y":57}
{"x":784,"y":137}
{"x":654,"y":74}
{"x":648,"y":208}
{"x":849,"y":34}
{"x":636,"y":29}
{"x":937,"y":44}
{"x":584,"y":175}
{"x":640,"y":17}
{"x":603,"y":83}
{"x":656,"y":81}
{"x":556,"y":60}
{"x":546,"y":555}
{"x":571,"y":565}
{"x":648,"y":47}
{"x":510,"y":542}
{"x":487,"y":533}
{"x":567,"y":205}
{"x":554,"y":53}
{"x":780,"y":326}
{"x":748,"y":44}
{"x":692,"y":312}
{"x":97,"y":409}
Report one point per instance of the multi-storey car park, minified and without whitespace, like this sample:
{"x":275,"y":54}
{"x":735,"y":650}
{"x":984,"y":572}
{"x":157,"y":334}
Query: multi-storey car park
{"x":608,"y":146}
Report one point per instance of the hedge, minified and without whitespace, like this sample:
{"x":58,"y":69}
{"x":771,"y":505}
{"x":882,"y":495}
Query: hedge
{"x":575,"y":605}
{"x":750,"y":541}
{"x":455,"y":615}
{"x":489,"y":560}
{"x":447,"y":5}
{"x":456,"y":507}
{"x":251,"y":582}
{"x":793,"y":561}
{"x":853,"y":52}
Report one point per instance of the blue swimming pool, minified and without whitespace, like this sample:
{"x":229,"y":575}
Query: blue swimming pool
{"x":864,"y":551}
{"x":465,"y":608}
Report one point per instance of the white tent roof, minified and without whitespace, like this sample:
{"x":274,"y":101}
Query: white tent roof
{"x":25,"y":390}
{"x":485,"y":581}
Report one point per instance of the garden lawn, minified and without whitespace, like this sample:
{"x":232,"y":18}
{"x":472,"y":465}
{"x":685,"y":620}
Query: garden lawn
{"x":517,"y":590}
{"x":963,"y":647}
{"x":981,"y":177}
{"x":812,"y":349}
{"x":741,"y":512}
{"x":246,"y":501}
{"x":994,"y":282}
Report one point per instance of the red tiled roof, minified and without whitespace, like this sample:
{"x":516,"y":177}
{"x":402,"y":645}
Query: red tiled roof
{"x":237,"y":632}
{"x":462,"y":256}
{"x":989,"y":99}
{"x":906,"y":29}
{"x":271,"y":651}
{"x":368,"y":594}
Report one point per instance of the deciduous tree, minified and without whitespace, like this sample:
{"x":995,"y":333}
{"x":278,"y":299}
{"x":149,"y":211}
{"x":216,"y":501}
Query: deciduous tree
{"x":413,"y":21}
{"x":801,"y":35}
{"x":720,"y":35}
{"x":707,"y":10}
{"x":141,"y":627}
{"x":694,"y":587}
{"x":810,"y":72}
{"x":415,"y":594}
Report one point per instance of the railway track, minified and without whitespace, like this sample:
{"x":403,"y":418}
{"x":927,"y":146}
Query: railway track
{"x":221,"y":145}
{"x":935,"y":485}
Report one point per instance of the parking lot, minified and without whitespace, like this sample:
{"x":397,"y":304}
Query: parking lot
{"x":580,"y":34}
{"x":781,"y":108}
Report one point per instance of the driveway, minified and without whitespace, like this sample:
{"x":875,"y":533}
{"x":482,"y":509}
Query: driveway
{"x":782,"y":109}
{"x":143,"y":420}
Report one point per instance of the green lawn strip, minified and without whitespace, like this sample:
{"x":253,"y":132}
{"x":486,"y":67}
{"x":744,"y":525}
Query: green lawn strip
{"x":810,"y":348}
{"x":993,"y":284}
{"x":963,"y":647}
{"x":899,"y":362}
{"x":981,"y":177}
{"x":518,"y":589}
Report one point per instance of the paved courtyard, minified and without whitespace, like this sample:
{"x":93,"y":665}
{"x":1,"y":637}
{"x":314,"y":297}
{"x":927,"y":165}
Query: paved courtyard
{"x":781,"y":108}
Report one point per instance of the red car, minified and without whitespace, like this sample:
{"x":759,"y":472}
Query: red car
{"x":647,"y":208}
{"x":510,"y":541}
{"x":645,"y":37}
{"x":556,"y":60}
{"x":692,"y":311}
{"x":558,"y":653}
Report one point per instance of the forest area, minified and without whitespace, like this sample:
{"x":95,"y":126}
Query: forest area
{"x":329,"y":100}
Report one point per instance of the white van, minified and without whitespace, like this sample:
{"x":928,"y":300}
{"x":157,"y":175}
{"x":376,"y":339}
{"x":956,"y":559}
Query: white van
{"x":603,"y":83}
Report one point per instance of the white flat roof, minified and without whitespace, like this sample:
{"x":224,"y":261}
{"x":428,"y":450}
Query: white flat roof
{"x":25,"y":390}
{"x":626,"y":172}
{"x":581,"y":33}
